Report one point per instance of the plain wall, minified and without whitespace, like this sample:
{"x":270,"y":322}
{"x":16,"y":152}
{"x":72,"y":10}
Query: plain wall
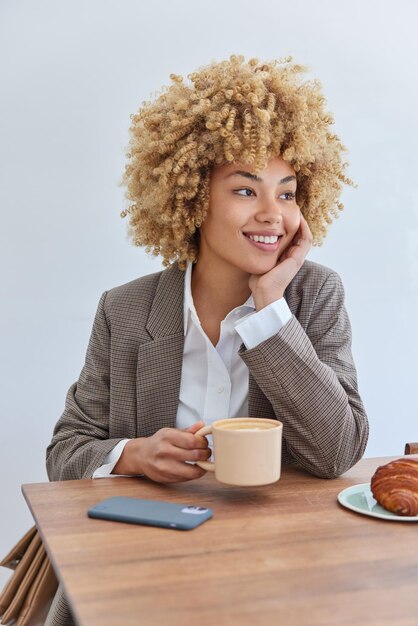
{"x":72,"y":72}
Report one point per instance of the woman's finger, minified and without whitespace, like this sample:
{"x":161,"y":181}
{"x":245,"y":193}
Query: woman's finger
{"x":183,"y":439}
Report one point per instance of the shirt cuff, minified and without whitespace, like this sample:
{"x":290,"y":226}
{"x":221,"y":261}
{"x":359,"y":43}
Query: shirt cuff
{"x":104,"y":471}
{"x":261,"y":325}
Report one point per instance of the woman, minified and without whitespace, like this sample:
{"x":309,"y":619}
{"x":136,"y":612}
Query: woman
{"x":231,"y":177}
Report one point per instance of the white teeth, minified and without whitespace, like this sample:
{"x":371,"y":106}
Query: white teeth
{"x":264,"y":239}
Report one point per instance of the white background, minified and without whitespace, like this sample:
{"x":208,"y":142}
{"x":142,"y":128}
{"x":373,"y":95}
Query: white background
{"x":71,"y":74}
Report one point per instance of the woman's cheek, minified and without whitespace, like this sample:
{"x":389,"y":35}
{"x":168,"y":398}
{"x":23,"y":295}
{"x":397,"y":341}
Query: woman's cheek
{"x":294,"y":222}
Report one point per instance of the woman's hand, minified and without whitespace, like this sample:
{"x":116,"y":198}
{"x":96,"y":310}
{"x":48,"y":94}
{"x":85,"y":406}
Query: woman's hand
{"x":270,"y":287}
{"x":162,"y":457}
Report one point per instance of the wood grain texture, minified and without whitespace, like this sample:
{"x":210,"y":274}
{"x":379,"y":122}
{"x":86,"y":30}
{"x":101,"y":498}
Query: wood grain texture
{"x":286,"y":553}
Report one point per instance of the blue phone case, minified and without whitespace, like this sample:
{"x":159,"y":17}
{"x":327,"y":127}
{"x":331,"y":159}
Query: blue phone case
{"x":150,"y":512}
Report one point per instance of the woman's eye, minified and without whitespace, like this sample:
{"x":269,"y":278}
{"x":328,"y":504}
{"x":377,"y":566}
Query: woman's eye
{"x":244,"y":192}
{"x":289,"y":195}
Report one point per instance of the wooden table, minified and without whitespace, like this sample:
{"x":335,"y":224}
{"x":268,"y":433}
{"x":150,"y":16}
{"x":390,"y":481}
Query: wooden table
{"x":286,"y":554}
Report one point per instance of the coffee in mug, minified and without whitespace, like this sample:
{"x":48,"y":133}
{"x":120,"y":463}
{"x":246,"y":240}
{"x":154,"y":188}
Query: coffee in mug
{"x":248,"y":450}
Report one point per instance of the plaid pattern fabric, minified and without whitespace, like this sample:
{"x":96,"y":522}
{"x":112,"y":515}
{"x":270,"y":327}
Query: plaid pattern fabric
{"x":129,"y":386}
{"x":308,"y":375}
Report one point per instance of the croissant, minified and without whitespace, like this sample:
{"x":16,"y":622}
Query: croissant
{"x":395,"y":486}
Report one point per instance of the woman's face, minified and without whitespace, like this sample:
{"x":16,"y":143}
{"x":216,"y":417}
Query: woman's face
{"x":251,"y":218}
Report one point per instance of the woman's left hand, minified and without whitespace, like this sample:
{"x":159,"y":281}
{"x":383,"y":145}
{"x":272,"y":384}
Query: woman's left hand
{"x":270,"y":287}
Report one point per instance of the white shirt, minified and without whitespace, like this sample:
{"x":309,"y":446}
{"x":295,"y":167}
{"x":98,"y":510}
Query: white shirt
{"x":214,"y":379}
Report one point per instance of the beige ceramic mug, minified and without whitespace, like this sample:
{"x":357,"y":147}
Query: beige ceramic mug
{"x":248,"y":450}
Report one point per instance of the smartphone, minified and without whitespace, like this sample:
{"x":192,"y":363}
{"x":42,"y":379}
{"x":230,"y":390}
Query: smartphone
{"x":150,"y":512}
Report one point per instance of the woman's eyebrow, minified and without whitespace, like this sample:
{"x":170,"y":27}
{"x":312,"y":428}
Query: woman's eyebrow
{"x":246,"y":175}
{"x":282,"y":181}
{"x":287,"y":179}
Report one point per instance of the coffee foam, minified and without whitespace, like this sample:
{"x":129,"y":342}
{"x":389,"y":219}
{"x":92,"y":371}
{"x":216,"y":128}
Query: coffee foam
{"x":247,"y":427}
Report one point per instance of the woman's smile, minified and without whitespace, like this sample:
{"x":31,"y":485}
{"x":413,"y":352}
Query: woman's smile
{"x":264,"y":241}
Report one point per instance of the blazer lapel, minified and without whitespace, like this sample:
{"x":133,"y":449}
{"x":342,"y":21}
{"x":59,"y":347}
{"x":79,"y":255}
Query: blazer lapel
{"x":160,"y":360}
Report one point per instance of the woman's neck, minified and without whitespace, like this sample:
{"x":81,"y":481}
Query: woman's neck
{"x":218,"y":290}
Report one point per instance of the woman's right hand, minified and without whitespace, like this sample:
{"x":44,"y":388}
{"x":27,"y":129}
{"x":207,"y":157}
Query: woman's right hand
{"x":162,"y":457}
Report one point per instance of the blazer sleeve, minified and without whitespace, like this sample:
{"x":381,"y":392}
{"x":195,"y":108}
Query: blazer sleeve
{"x":80,"y":440}
{"x":310,"y":379}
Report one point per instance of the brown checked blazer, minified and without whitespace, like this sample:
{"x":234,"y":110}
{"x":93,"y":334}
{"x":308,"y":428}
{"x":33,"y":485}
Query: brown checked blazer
{"x":129,"y":386}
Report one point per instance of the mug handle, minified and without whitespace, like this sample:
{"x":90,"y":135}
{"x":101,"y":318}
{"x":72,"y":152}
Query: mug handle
{"x":206,"y":465}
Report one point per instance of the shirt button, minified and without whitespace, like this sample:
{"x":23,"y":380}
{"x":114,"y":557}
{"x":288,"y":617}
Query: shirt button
{"x":221,"y":389}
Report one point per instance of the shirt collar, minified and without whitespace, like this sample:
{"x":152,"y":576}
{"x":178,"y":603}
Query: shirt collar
{"x":189,"y":307}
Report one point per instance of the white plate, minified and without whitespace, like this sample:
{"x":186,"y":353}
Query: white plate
{"x":360,"y":499}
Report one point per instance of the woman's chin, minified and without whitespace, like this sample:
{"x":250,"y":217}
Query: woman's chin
{"x":258,"y":269}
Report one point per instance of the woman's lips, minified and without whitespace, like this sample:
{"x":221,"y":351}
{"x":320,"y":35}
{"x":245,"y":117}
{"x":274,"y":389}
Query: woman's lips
{"x":265,"y":247}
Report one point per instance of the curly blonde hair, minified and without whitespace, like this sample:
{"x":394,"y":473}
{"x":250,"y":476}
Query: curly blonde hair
{"x":233,"y":111}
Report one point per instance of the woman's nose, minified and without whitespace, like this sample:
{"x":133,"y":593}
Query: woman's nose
{"x":270,"y":213}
